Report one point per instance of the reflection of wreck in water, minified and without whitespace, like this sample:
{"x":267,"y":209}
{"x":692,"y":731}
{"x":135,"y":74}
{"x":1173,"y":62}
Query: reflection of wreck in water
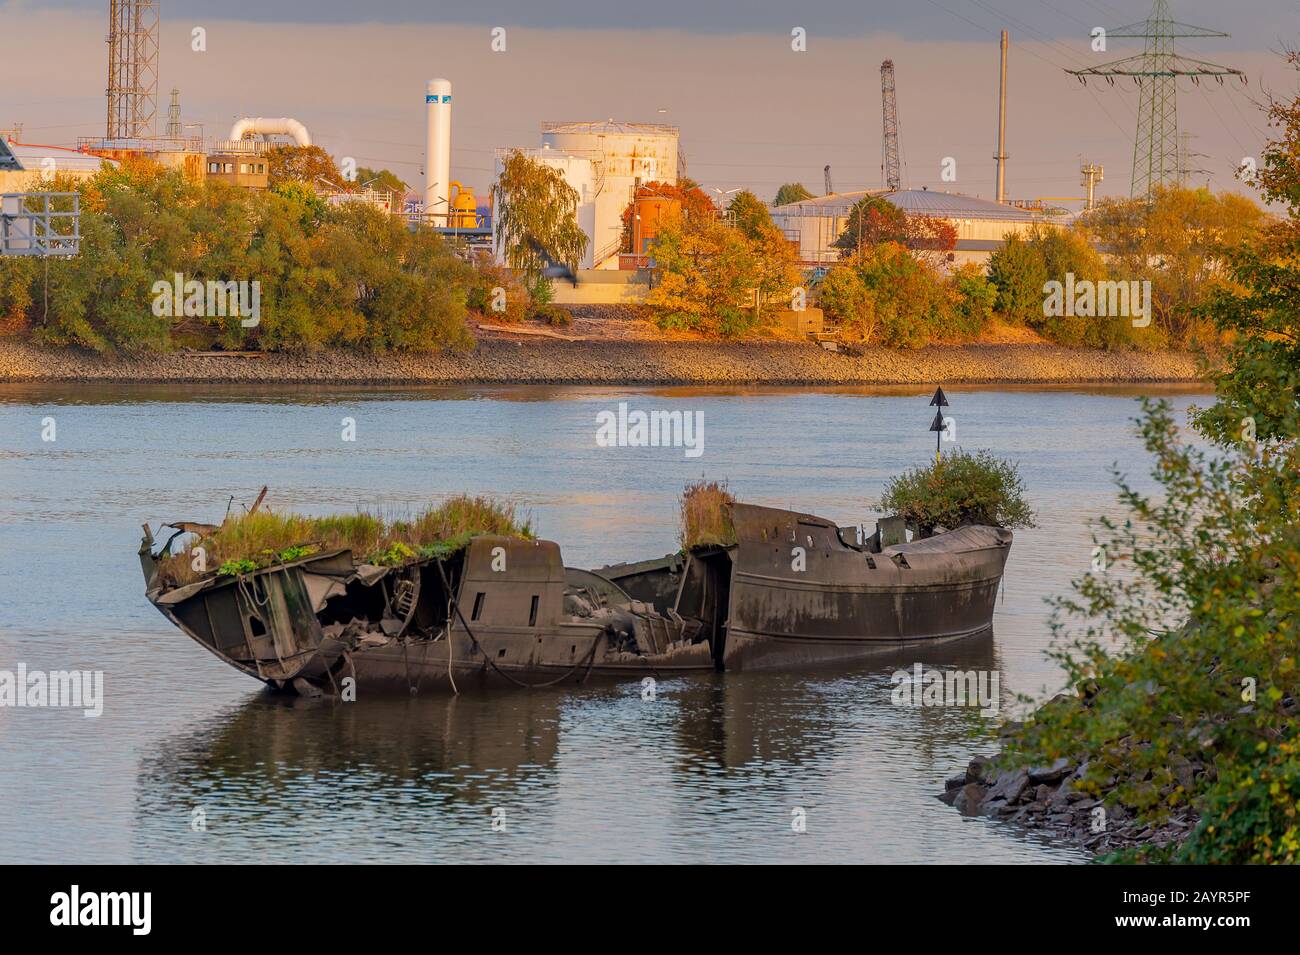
{"x":269,"y":745}
{"x":793,"y":590}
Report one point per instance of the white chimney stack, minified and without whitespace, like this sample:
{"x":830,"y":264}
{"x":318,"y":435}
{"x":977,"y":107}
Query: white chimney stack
{"x":437,"y":150}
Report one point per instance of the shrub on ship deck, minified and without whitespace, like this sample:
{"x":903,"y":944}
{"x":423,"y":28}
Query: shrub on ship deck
{"x":706,"y":514}
{"x":960,"y":489}
{"x":247,"y":542}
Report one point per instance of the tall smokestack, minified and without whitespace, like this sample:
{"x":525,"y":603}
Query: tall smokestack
{"x":437,"y":150}
{"x":1001,"y":157}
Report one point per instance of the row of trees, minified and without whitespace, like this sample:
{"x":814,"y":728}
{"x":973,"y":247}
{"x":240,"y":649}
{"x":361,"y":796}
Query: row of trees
{"x":892,"y":284}
{"x":349,"y":275}
{"x":344,"y":275}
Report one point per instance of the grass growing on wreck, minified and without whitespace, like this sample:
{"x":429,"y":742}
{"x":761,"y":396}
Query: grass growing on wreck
{"x":706,"y":514}
{"x":246,"y":542}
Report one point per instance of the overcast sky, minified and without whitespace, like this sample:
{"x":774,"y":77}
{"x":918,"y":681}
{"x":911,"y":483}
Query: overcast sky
{"x":752,"y":111}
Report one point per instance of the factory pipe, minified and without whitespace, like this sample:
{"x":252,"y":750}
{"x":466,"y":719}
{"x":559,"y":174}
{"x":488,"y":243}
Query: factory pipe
{"x":284,"y":126}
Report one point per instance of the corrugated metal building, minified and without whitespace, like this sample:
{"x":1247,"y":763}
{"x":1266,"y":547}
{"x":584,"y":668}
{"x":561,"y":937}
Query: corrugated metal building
{"x":982,"y":225}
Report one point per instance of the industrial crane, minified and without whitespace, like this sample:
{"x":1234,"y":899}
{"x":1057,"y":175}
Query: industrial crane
{"x":889,"y":164}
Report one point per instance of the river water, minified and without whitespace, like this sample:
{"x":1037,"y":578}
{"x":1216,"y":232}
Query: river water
{"x":192,"y":762}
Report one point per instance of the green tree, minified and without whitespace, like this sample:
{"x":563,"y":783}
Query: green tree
{"x":974,"y":296}
{"x":346,"y":275}
{"x":847,"y":300}
{"x":1018,"y":271}
{"x":749,"y":214}
{"x":912,"y":302}
{"x":536,"y":217}
{"x":381,"y":180}
{"x":791,"y":192}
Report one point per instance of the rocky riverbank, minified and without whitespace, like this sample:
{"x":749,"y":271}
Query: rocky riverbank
{"x":1062,"y":801}
{"x":539,"y":360}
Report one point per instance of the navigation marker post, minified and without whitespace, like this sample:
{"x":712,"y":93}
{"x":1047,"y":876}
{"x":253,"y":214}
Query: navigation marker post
{"x":940,"y":401}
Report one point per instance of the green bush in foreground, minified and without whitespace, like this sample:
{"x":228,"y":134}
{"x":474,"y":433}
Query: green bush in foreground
{"x":1183,"y":643}
{"x":1182,"y":647}
{"x":960,"y":489}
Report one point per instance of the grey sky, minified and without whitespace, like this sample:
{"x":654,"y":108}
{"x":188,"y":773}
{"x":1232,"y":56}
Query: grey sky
{"x":1253,"y":23}
{"x":752,"y":112}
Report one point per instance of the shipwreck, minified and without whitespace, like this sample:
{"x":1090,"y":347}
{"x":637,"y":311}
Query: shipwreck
{"x":788,"y":590}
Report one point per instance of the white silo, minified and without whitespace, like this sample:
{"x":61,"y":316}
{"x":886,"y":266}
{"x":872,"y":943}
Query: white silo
{"x":437,"y":149}
{"x":627,"y":153}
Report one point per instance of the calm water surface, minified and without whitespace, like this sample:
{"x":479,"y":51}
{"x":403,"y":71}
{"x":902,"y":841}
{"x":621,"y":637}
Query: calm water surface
{"x":710,"y":770}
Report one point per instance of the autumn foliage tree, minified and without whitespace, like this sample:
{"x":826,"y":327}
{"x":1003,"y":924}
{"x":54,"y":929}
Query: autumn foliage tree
{"x":719,"y":279}
{"x":874,"y":220}
{"x":1177,"y":241}
{"x":301,"y":164}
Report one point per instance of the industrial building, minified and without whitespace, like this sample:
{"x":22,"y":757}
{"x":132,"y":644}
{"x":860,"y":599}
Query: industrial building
{"x":982,"y":225}
{"x":24,"y":167}
{"x":604,"y":162}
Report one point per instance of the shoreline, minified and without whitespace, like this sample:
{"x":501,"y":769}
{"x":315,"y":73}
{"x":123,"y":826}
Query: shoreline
{"x":541,"y":361}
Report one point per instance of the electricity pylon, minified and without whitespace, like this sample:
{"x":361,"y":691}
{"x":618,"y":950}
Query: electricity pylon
{"x":1156,"y":71}
{"x":132,"y":68}
{"x":889,"y":164}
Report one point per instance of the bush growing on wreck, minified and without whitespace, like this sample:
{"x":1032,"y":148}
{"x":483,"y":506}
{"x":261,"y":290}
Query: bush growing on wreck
{"x":246,"y":542}
{"x":706,"y":514}
{"x":960,"y":489}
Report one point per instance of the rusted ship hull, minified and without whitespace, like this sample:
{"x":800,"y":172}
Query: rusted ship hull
{"x":791,"y":591}
{"x":799,"y":593}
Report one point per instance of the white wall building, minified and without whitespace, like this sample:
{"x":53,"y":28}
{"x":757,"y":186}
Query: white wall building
{"x":27,"y":168}
{"x":982,"y":225}
{"x":604,"y":161}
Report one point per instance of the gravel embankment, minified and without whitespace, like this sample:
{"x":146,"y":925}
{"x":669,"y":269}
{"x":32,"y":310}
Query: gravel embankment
{"x":632,"y":362}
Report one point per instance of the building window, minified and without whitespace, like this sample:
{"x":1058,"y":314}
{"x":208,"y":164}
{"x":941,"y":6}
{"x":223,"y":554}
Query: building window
{"x":229,"y":167}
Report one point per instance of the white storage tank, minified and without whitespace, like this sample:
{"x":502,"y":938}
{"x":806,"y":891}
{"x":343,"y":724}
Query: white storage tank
{"x":631,"y":151}
{"x":627,"y":153}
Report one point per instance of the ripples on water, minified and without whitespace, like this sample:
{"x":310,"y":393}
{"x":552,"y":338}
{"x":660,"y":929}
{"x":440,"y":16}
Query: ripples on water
{"x":711,"y":770}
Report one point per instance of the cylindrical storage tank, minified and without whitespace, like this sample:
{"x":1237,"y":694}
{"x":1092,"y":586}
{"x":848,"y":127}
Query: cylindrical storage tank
{"x":631,"y":151}
{"x":651,"y":212}
{"x":464,"y":208}
{"x":437,"y":150}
